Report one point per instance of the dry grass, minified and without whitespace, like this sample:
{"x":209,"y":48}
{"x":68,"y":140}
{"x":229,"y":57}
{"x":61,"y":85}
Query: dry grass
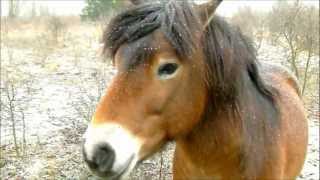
{"x":20,"y":33}
{"x":32,"y":43}
{"x":35,"y":50}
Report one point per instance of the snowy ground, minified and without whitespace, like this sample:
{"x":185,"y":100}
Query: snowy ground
{"x":61,"y":97}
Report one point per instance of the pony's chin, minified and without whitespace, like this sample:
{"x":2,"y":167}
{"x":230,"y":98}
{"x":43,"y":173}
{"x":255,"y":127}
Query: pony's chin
{"x":123,"y":173}
{"x":112,"y":175}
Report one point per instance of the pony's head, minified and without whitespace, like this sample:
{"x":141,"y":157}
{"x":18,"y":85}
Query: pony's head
{"x":160,"y":90}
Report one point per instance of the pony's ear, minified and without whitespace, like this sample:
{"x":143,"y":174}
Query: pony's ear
{"x":206,"y":10}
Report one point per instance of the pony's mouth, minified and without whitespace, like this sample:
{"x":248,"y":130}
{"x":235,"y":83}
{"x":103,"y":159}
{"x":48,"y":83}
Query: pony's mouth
{"x":113,"y":175}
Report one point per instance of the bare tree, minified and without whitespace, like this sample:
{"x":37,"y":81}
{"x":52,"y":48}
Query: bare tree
{"x":254,"y":28}
{"x":292,"y":26}
{"x":44,"y":11}
{"x":309,"y":39}
{"x":24,"y":139}
{"x":33,"y":10}
{"x":282,"y":26}
{"x":56,"y":27}
{"x":13,"y":112}
{"x":10,"y":93}
{"x":85,"y":107}
{"x":14,"y":7}
{"x":295,"y":27}
{"x":13,"y":103}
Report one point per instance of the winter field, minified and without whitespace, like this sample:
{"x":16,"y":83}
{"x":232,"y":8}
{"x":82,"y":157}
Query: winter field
{"x":52,"y":76}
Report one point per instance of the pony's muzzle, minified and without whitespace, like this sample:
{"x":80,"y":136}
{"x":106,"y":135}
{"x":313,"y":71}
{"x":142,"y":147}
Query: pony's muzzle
{"x":110,"y":151}
{"x":102,"y":159}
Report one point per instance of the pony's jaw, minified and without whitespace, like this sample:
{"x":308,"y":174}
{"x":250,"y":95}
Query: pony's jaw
{"x":125,"y":146}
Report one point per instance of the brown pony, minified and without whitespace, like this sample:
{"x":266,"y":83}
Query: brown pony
{"x":188,"y":76}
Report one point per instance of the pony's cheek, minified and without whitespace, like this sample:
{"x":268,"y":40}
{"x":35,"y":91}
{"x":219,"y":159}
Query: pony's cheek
{"x":151,"y":145}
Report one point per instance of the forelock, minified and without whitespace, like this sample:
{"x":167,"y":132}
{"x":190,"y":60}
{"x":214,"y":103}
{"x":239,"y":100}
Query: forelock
{"x":176,"y":20}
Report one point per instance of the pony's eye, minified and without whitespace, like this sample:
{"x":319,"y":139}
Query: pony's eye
{"x":167,"y":69}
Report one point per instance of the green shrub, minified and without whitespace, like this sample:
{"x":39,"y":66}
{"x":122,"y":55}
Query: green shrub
{"x":97,"y":9}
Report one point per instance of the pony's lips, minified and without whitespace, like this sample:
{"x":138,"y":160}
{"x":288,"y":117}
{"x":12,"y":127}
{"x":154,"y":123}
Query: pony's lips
{"x":117,"y":175}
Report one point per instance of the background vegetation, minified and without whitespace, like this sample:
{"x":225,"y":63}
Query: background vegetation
{"x":52,"y":76}
{"x":294,"y":28}
{"x":100,"y":9}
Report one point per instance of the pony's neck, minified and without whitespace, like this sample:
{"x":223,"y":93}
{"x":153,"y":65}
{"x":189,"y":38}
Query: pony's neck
{"x":230,"y":136}
{"x":212,"y":148}
{"x":219,"y":128}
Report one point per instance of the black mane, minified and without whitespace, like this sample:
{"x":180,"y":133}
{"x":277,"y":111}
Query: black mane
{"x":172,"y":19}
{"x":226,"y":50}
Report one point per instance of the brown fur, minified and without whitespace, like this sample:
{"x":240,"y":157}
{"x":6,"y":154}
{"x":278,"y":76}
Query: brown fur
{"x":230,"y":118}
{"x":193,"y":161}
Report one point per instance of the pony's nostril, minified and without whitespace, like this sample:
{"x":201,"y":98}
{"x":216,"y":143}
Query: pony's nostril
{"x":91,"y":164}
{"x":104,"y":157}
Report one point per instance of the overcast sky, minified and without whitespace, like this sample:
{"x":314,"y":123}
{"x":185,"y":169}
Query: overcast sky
{"x":74,"y":7}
